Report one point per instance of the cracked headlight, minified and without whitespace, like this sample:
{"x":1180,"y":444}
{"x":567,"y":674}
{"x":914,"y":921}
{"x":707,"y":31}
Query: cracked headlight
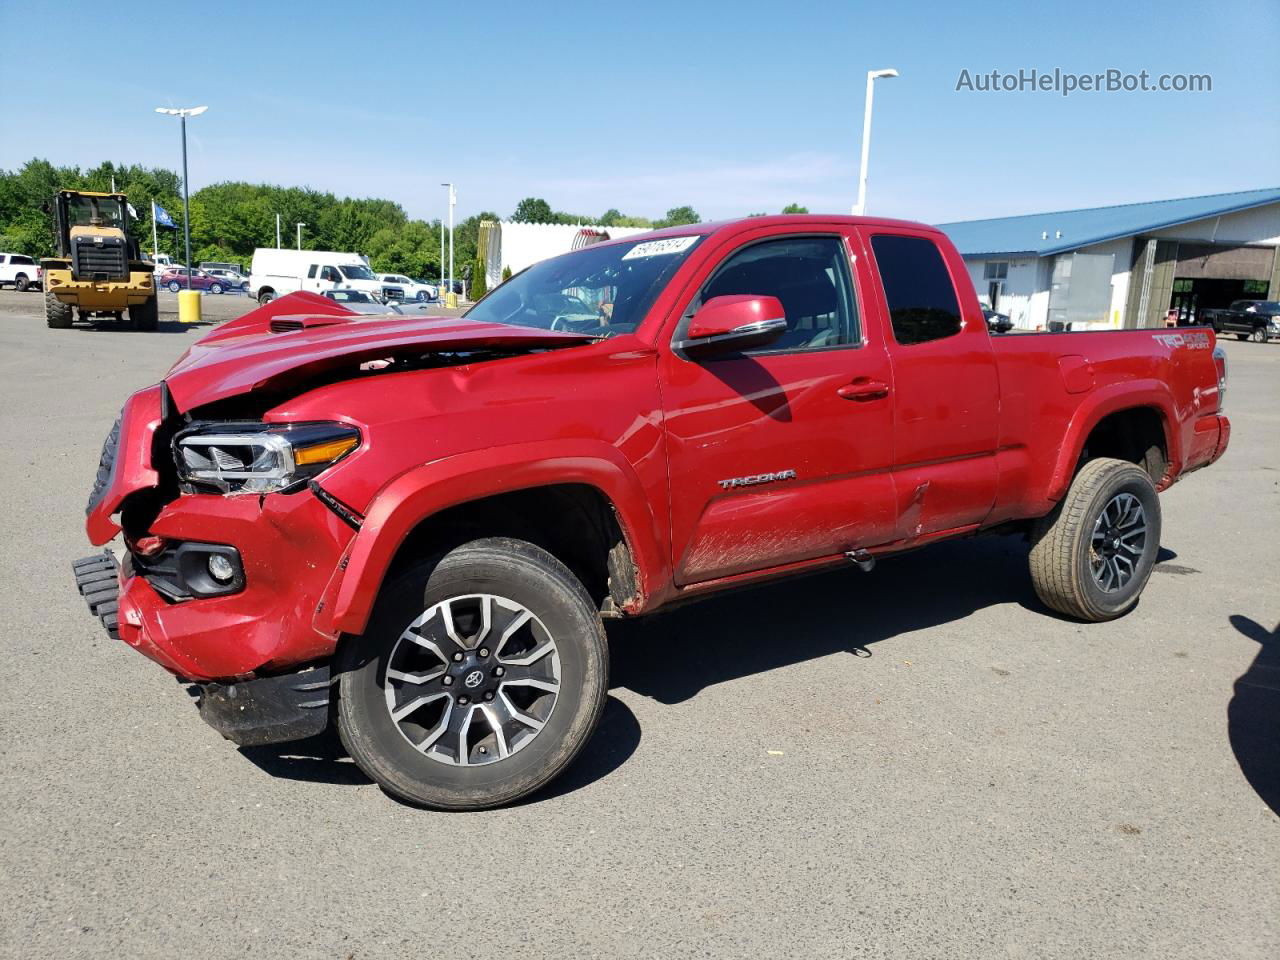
{"x":259,"y":457}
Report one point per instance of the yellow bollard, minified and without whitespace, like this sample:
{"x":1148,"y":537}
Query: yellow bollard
{"x":451,"y":300}
{"x":189,"y":306}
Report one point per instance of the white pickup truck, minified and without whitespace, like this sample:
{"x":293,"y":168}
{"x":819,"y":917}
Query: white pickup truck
{"x":413,"y":290}
{"x":19,"y":270}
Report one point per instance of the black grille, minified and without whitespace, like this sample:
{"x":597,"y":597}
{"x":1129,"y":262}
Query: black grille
{"x":106,"y":259}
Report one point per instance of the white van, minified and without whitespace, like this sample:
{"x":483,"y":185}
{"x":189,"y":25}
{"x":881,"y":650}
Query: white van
{"x":277,"y":272}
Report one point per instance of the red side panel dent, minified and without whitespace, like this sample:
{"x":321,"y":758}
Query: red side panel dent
{"x":426,"y":490}
{"x":290,"y":546}
{"x":131,"y":469}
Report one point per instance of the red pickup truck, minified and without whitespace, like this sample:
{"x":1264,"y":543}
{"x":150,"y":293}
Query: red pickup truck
{"x":413,"y":527}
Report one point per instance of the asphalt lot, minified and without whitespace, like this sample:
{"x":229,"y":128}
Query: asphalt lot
{"x":918,"y":762}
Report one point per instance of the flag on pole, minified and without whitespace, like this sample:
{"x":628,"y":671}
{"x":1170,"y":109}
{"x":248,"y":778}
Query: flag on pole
{"x":162,"y":216}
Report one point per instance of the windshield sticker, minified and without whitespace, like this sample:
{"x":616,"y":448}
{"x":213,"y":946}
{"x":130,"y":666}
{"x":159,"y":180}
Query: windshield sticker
{"x":660,"y":248}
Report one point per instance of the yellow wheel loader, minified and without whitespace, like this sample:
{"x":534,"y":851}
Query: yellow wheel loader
{"x":97,"y":270}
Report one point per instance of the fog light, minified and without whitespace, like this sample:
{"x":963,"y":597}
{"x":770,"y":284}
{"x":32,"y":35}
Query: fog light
{"x":220,"y":568}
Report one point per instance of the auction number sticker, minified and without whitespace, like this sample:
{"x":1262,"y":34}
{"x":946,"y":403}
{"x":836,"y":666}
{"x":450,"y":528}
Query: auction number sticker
{"x":660,"y":248}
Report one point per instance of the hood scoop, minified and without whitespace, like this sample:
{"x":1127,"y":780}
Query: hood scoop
{"x":291,"y":324}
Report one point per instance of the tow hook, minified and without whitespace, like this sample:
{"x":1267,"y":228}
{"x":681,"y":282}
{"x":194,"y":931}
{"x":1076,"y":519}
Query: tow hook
{"x":862,"y":560}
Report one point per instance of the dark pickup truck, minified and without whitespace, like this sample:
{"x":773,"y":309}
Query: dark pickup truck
{"x":412,"y":527}
{"x":1256,"y":320}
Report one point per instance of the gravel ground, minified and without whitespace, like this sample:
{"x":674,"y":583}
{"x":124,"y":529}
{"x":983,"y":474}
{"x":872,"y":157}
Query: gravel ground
{"x":919,"y":762}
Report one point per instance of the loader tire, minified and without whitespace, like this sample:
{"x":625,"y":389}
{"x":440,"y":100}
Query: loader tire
{"x":145,"y":316}
{"x":57,"y":315}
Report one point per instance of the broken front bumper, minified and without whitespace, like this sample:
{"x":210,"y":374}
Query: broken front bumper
{"x":291,"y":706}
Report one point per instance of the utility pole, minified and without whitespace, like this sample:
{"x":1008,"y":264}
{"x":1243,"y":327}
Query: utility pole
{"x":860,"y":208}
{"x":451,"y":299}
{"x":277,"y":231}
{"x":186,"y":194}
{"x":300,"y":226}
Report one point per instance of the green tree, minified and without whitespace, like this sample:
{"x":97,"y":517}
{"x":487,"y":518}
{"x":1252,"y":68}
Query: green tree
{"x":506,"y":273}
{"x":611,"y":217}
{"x":479,"y":286}
{"x":532,"y":210}
{"x":794,"y":208}
{"x":678,"y":216}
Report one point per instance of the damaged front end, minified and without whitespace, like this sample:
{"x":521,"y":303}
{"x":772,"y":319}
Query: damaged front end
{"x":235,"y":541}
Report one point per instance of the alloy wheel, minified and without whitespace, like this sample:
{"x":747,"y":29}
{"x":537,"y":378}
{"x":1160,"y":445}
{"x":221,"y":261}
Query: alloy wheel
{"x":472,"y":680}
{"x":1118,"y":541}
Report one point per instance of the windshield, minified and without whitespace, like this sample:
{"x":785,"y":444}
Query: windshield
{"x":94,"y":212}
{"x":354,"y":271}
{"x":606,"y":289}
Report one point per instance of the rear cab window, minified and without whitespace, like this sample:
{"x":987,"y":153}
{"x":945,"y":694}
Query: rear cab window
{"x":918,"y":290}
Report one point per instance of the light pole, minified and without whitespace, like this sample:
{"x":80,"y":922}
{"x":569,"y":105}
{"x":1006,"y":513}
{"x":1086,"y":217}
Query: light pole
{"x":860,"y":207}
{"x":300,"y":226}
{"x":453,"y":199}
{"x":277,"y":231}
{"x":186,"y":200}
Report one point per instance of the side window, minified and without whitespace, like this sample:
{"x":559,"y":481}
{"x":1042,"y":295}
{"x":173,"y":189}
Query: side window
{"x":24,"y":261}
{"x":917,"y":287}
{"x":809,"y":275}
{"x":331,"y":273}
{"x":311,"y":274}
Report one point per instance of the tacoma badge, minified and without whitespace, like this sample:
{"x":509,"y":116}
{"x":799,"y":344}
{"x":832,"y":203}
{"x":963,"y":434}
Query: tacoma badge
{"x":751,"y":481}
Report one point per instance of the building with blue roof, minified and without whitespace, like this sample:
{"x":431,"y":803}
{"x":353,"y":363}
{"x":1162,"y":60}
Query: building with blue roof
{"x":1131,"y":265}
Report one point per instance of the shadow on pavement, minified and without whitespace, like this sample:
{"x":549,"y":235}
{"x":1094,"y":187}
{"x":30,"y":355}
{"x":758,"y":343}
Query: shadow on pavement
{"x":321,"y":759}
{"x":1253,"y":716}
{"x":318,"y":759}
{"x":671,"y":657}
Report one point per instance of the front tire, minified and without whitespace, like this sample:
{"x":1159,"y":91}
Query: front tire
{"x":266,"y":296}
{"x":1259,"y":335}
{"x":57,"y":315}
{"x":174,"y":286}
{"x":481,"y":675}
{"x":422,"y":296}
{"x":1091,"y":557}
{"x":216,"y":288}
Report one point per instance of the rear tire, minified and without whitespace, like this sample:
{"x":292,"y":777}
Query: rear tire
{"x":215,"y":288}
{"x":21,"y":283}
{"x":174,"y":286}
{"x":499,"y":712}
{"x":1091,"y":557}
{"x":57,"y":315}
{"x":1242,"y":336}
{"x":145,"y":316}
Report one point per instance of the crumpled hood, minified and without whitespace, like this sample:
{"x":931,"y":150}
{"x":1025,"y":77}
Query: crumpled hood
{"x":302,"y":336}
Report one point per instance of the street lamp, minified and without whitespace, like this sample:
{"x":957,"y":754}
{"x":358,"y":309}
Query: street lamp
{"x":453,"y":199}
{"x":860,"y":207}
{"x":186,"y":200}
{"x":300,"y":226}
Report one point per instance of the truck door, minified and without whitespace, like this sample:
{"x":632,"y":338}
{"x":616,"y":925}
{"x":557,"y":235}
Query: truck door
{"x":946,"y":393}
{"x":780,"y":454}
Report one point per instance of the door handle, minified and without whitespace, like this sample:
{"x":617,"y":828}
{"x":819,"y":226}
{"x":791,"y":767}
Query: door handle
{"x":862,"y":389}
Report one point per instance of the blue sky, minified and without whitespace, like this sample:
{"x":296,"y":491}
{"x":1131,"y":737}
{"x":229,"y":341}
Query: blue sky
{"x":731,"y":107}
